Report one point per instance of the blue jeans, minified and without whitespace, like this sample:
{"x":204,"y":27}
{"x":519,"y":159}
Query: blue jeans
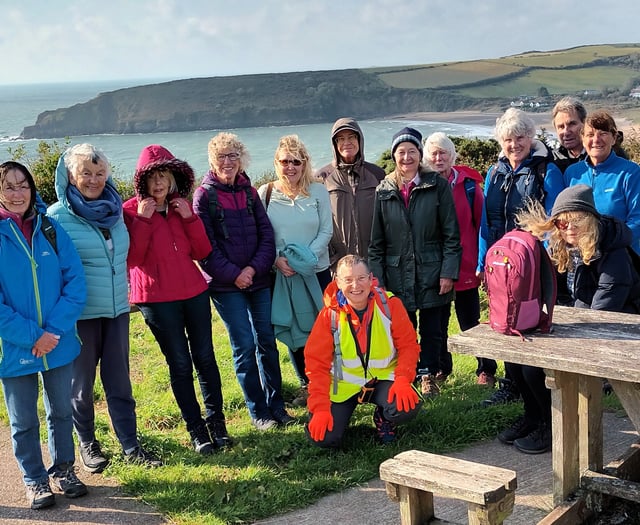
{"x":247,"y":317}
{"x":104,"y":340}
{"x":168,"y":322}
{"x":21,"y":398}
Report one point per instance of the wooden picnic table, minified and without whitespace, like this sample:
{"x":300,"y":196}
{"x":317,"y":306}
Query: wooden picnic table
{"x":584,"y":347}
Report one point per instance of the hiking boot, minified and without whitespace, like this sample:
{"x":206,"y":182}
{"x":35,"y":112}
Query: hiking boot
{"x":385,"y":430}
{"x":142,"y":457}
{"x":536,"y":442}
{"x":67,"y":482}
{"x":428,"y":386}
{"x":486,"y":379}
{"x":507,"y":393}
{"x":264,"y":424}
{"x":39,"y":495}
{"x":520,"y":428}
{"x":218,"y":432}
{"x":201,"y":440}
{"x":282,"y":417}
{"x":301,"y":397}
{"x":441,"y":377}
{"x":92,"y":458}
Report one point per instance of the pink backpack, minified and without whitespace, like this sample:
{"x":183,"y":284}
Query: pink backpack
{"x":521,"y":284}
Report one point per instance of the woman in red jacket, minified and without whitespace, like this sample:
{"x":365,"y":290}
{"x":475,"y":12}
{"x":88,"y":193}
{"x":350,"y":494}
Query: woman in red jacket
{"x":170,"y":290}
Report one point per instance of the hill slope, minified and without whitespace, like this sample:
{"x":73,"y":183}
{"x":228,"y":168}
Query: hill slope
{"x":323,"y":96}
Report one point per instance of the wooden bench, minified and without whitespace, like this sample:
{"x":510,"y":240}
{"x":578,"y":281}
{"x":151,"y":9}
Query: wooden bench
{"x":413,"y":477}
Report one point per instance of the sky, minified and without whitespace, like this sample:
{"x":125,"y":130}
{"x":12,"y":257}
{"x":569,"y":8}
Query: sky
{"x":91,"y":40}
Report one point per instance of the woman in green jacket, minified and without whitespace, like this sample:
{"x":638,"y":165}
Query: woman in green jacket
{"x":415,"y":251}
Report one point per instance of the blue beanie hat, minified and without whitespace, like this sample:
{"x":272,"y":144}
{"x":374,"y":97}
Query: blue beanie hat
{"x":407,"y":135}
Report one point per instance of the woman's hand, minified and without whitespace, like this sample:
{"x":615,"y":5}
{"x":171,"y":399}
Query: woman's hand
{"x":446,"y":285}
{"x":245,"y":279}
{"x":282,"y":264}
{"x":146,"y":207}
{"x":45,"y":344}
{"x":182,"y":207}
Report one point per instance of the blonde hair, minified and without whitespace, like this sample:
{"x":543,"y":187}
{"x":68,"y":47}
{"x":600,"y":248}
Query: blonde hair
{"x":292,"y":145}
{"x":226,"y":140}
{"x":534,"y":219}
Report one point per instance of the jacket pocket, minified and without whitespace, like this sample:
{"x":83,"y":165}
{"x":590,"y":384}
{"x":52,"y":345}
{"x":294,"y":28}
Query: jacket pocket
{"x":393,"y":274}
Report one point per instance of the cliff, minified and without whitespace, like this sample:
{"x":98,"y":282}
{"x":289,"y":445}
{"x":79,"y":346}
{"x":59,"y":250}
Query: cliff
{"x":240,"y":101}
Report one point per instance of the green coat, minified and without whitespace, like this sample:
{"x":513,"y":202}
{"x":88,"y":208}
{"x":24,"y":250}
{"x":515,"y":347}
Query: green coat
{"x":412,"y":249}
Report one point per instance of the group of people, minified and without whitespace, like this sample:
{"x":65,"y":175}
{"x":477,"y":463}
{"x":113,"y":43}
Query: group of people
{"x":353,"y":271}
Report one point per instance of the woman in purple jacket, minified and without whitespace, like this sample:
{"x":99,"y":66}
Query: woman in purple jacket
{"x":240,"y":270}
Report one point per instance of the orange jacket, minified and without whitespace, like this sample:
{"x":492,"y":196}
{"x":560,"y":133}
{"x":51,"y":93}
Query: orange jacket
{"x":318,"y":352}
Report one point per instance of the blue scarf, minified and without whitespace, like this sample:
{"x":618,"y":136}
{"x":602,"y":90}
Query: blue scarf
{"x":101,"y":213}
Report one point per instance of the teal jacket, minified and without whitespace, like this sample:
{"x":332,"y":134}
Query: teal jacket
{"x":105,"y":269}
{"x":411,"y":249}
{"x":41,"y":289}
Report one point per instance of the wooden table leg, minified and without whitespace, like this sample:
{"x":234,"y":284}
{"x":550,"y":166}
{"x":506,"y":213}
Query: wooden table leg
{"x":590,"y":423}
{"x":564,"y":421}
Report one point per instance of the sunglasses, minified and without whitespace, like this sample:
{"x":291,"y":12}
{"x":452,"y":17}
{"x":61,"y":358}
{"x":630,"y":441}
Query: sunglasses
{"x":285,"y":162}
{"x":563,"y":225}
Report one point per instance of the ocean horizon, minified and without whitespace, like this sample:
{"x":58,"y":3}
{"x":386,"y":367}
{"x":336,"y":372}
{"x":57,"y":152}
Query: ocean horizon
{"x":20,"y":106}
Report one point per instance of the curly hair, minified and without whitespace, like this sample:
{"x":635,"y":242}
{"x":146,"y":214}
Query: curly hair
{"x":534,"y":219}
{"x":226,"y":140}
{"x":292,"y":145}
{"x":513,"y":123}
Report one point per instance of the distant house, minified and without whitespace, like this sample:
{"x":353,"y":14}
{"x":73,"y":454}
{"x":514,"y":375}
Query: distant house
{"x":635,"y":93}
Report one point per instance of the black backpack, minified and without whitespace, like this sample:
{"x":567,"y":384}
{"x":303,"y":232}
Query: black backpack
{"x":217,"y":212}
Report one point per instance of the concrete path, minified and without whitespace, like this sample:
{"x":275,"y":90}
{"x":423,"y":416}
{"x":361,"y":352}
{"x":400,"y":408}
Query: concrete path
{"x":105,"y":504}
{"x":364,"y":505}
{"x":369,"y":504}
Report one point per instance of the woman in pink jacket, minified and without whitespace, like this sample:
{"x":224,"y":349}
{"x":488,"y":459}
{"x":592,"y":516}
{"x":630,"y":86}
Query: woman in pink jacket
{"x":440,"y":155}
{"x":171,"y":292}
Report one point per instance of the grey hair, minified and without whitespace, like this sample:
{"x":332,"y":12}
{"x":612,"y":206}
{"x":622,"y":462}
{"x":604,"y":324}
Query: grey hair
{"x":75,"y":154}
{"x":568,"y":104}
{"x":441,"y":141}
{"x":514,"y":123}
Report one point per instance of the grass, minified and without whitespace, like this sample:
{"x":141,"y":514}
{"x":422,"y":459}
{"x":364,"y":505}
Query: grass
{"x":269,"y":473}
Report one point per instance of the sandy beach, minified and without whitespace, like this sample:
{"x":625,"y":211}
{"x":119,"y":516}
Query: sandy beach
{"x":488,"y":118}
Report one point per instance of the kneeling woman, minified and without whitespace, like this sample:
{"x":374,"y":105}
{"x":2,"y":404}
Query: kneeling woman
{"x":170,"y":290}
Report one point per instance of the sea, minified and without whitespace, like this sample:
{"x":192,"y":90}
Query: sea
{"x":21,"y":104}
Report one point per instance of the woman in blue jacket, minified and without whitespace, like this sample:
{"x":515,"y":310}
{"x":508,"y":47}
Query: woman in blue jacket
{"x":42,"y":293}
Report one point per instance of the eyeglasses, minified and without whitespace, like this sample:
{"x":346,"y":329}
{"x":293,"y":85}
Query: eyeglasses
{"x":563,"y":225}
{"x":231,"y":156}
{"x":285,"y":162}
{"x":16,"y":189}
{"x":350,"y":280}
{"x":347,"y":138}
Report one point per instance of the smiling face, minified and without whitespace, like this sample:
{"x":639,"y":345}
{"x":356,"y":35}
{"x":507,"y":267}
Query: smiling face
{"x":226,"y":165}
{"x":347,"y":144}
{"x":569,"y":127}
{"x":289,"y":168}
{"x":516,"y":148}
{"x":597,"y":143}
{"x":90,"y":178}
{"x":355,"y":283}
{"x":407,"y":158}
{"x":15,"y":193}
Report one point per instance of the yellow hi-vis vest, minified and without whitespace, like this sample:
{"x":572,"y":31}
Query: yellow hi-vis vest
{"x":347,"y":372}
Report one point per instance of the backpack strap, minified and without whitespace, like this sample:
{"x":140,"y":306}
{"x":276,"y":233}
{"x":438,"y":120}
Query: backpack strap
{"x":48,"y":231}
{"x":249,"y":193}
{"x":383,"y":299}
{"x":267,"y":197}
{"x":548,"y":288}
{"x":470,"y":191}
{"x":215,"y":210}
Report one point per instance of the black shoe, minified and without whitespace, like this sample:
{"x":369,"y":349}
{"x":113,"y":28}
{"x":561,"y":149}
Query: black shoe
{"x":537,"y":442}
{"x":282,"y":417}
{"x":385,"y":430}
{"x":140,"y":456}
{"x":507,"y":393}
{"x":201,"y":441}
{"x":67,"y":482}
{"x":519,"y":429}
{"x":218,"y":432}
{"x":92,"y":458}
{"x":39,"y":495}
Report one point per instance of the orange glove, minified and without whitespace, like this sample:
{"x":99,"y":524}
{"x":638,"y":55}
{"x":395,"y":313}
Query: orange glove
{"x":406,"y":396}
{"x":320,"y":422}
